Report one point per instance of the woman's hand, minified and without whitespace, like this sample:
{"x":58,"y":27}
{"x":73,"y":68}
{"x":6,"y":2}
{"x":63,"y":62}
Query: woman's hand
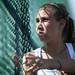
{"x":30,"y":62}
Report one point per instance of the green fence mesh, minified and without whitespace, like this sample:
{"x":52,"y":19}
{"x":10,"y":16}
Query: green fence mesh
{"x":14,"y":34}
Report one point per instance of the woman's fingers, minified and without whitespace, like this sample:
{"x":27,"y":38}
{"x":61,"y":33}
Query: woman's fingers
{"x":31,"y":68}
{"x":36,"y":66}
{"x":29,"y":57}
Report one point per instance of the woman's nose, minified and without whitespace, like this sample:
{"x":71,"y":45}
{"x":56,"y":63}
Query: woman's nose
{"x":40,"y":26}
{"x":40,"y":23}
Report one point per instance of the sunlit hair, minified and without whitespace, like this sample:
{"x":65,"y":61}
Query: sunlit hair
{"x":60,"y":10}
{"x":61,"y":13}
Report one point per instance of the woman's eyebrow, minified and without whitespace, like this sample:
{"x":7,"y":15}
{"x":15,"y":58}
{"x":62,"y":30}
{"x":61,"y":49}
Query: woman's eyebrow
{"x":43,"y":18}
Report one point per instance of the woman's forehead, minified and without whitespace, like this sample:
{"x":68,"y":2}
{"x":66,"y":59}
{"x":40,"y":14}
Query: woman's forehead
{"x":45,"y":13}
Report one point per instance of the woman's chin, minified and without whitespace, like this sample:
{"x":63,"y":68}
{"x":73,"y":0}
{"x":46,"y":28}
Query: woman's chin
{"x":42,"y":37}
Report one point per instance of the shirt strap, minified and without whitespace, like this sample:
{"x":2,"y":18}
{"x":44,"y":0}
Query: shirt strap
{"x":71,"y":50}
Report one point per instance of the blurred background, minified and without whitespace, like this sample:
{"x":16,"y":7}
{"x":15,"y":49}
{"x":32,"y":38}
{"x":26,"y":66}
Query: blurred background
{"x":17,"y":31}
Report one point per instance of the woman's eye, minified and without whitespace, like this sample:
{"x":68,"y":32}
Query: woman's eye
{"x":42,"y":20}
{"x":37,"y":20}
{"x":45,"y":19}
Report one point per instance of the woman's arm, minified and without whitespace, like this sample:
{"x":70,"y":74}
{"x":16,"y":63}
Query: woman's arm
{"x":66,"y":65}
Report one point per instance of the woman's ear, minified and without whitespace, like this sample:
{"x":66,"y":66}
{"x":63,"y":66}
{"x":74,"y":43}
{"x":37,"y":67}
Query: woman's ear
{"x":62,"y":24}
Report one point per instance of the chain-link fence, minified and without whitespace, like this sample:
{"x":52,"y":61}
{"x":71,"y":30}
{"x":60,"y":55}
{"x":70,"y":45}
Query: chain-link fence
{"x":14,"y":34}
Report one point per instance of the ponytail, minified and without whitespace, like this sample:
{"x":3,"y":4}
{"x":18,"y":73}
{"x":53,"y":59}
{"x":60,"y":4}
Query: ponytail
{"x":68,"y":30}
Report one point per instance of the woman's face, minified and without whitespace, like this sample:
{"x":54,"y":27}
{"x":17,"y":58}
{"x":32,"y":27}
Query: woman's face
{"x":47,"y":26}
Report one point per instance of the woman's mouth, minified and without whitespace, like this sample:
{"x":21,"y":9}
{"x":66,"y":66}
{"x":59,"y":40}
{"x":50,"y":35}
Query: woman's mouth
{"x":40,"y":33}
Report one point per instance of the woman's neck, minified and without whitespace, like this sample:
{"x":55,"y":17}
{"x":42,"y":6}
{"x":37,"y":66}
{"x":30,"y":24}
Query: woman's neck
{"x":55,"y":47}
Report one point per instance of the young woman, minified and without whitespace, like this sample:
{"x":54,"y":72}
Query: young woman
{"x":55,"y":29}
